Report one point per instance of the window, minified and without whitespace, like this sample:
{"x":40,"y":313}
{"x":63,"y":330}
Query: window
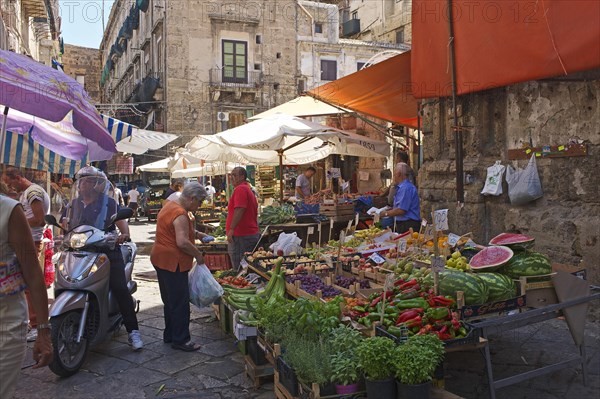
{"x":235,"y":57}
{"x":354,"y":14}
{"x":257,"y":67}
{"x":318,"y":27}
{"x":328,"y":70}
{"x":360,"y":65}
{"x":258,"y":39}
{"x":400,"y":35}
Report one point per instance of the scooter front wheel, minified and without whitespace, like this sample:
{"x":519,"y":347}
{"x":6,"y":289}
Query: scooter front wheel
{"x":69,"y":354}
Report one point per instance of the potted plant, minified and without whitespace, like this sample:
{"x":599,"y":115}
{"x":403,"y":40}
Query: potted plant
{"x":376,"y":360}
{"x":345,"y":370}
{"x":415,"y":363}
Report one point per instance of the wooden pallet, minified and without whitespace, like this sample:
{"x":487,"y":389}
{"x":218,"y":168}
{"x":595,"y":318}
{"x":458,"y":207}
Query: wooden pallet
{"x":280,"y":391}
{"x":258,"y":374}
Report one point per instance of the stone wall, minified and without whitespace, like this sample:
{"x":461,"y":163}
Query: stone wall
{"x":87,"y":62}
{"x":566,"y":220}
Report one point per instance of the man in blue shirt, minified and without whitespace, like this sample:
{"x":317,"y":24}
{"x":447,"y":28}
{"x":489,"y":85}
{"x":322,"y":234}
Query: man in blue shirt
{"x":406,"y":210}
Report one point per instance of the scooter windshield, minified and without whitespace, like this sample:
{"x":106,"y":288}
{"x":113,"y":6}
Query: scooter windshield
{"x":92,"y":204}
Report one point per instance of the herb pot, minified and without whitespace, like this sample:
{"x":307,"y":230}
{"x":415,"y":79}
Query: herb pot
{"x":346,"y":389}
{"x":381,"y":389}
{"x":420,"y":391}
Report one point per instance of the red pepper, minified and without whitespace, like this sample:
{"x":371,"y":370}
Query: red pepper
{"x":431,"y":302}
{"x":407,"y":316}
{"x":399,"y":282}
{"x":443,"y":301}
{"x":375,"y":301}
{"x":425,"y":329}
{"x":443,"y":336}
{"x":414,"y":322}
{"x":418,"y":310}
{"x":408,"y":284}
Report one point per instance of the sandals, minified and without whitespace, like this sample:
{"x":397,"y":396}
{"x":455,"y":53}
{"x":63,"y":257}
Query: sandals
{"x":187,"y":347}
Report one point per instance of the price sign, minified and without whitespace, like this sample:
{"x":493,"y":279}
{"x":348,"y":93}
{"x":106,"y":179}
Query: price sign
{"x":311,"y":230}
{"x":441,"y":219}
{"x":319,"y":227}
{"x":424,"y":223}
{"x":470,"y":243}
{"x":356,"y":220}
{"x":378,"y":259}
{"x":376,"y":217}
{"x":453,"y":239}
{"x":401,"y":246}
{"x":243,"y":263}
{"x":330,"y":223}
{"x":437,"y":264}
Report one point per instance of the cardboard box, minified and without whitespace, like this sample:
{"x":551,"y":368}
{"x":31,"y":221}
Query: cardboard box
{"x":240,"y":330}
{"x":542,"y":293}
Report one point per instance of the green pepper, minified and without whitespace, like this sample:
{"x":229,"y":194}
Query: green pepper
{"x":388,"y":322}
{"x":360,"y":309}
{"x":390,"y":309}
{"x":374,"y":316}
{"x":412,"y":303}
{"x":395,"y":331}
{"x":440,"y":313}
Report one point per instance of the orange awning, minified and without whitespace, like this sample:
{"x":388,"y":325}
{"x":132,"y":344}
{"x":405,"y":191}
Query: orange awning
{"x":498,"y":43}
{"x":383,"y":90}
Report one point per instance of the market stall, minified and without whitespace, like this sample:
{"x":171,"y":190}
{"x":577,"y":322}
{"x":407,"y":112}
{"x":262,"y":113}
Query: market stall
{"x":381,"y":284}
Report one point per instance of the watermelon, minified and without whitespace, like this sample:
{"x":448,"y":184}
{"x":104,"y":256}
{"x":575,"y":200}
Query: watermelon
{"x":491,"y":258}
{"x":513,"y":241}
{"x":527,"y":263}
{"x":475,"y":290}
{"x":501,"y":287}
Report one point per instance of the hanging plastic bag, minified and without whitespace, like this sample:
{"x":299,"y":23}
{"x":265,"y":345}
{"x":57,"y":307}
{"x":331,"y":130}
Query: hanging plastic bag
{"x":204,"y":289}
{"x":287,"y":243}
{"x":493,"y":181}
{"x":524,"y":184}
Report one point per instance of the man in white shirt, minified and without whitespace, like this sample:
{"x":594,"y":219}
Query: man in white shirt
{"x":134,"y":194}
{"x":118,"y":195}
{"x":210,"y":190}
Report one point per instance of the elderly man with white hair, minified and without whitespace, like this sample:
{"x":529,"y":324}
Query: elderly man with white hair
{"x":406,"y":209}
{"x":172,"y":256}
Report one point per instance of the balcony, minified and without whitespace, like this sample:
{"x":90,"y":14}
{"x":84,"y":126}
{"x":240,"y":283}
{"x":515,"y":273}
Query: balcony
{"x":224,"y":78}
{"x":351,"y":27}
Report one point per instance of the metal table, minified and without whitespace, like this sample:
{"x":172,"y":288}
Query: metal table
{"x":528,"y":317}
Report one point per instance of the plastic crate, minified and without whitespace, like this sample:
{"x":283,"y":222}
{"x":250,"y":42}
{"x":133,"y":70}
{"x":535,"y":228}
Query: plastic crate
{"x":287,"y":377}
{"x":217,"y":261}
{"x":380,"y":332}
{"x":255,"y":352}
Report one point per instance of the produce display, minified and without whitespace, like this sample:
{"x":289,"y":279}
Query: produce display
{"x":475,"y":290}
{"x":500,"y":286}
{"x":347,"y":282}
{"x":311,"y":284}
{"x":235,"y":282}
{"x":276,"y":215}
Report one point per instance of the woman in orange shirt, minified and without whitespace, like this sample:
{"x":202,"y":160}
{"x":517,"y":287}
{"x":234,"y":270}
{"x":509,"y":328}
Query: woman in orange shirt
{"x":172,"y":256}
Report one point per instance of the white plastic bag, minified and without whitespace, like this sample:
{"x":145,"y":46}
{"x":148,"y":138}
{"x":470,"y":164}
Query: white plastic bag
{"x":524,"y":184}
{"x":493,"y":181}
{"x":287,"y":243}
{"x":204,"y":289}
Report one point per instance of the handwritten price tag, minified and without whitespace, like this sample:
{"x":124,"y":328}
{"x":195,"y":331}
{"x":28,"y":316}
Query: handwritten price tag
{"x":401,"y":246}
{"x":330,"y":223}
{"x":452,"y":239}
{"x":437,"y":264}
{"x":378,"y":259}
{"x":311,"y":230}
{"x":243,"y":263}
{"x":319,"y":227}
{"x":423,"y":222}
{"x":441,"y":219}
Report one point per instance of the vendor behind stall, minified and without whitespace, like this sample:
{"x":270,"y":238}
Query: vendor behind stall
{"x":406,"y":208}
{"x":303,"y":183}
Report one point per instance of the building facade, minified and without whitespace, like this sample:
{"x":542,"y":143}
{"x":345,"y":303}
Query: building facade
{"x":200,"y":67}
{"x":31,"y":27}
{"x":84,"y":65}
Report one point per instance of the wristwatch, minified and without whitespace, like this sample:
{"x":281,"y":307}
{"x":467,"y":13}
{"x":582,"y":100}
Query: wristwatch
{"x":44,"y":326}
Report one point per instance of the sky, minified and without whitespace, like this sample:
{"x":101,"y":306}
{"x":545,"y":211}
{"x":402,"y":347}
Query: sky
{"x":81,"y":21}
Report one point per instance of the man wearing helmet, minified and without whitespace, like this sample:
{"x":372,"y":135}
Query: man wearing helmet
{"x":95,"y":206}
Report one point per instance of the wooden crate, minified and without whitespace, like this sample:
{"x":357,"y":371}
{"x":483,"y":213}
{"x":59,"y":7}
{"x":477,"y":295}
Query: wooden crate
{"x":334,"y":210}
{"x":258,"y":374}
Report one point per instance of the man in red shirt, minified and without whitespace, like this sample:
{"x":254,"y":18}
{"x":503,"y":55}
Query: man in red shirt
{"x":242,"y":218}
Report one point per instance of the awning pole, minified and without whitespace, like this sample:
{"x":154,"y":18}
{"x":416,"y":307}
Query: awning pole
{"x":280,"y":153}
{"x":458,"y":139}
{"x":3,"y":132}
{"x":419,"y":134}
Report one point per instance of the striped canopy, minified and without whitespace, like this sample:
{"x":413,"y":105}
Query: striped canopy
{"x":22,"y":151}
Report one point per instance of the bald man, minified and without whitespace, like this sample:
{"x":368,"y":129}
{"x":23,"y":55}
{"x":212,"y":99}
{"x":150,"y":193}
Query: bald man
{"x":406,"y":209}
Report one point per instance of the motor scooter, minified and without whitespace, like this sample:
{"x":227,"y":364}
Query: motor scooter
{"x":84,"y":311}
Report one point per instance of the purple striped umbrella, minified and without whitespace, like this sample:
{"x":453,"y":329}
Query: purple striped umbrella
{"x":38,"y":90}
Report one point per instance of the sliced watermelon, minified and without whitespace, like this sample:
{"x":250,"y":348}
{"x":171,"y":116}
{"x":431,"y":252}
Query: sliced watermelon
{"x":491,"y":258}
{"x":513,"y":241}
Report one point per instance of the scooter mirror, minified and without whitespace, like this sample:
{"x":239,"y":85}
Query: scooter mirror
{"x":123,"y":213}
{"x":51,"y":220}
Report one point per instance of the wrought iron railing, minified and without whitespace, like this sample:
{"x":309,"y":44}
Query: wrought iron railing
{"x":235,"y":78}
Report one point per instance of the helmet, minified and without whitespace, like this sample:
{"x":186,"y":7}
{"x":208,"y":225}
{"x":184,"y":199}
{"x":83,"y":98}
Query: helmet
{"x":89,"y":171}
